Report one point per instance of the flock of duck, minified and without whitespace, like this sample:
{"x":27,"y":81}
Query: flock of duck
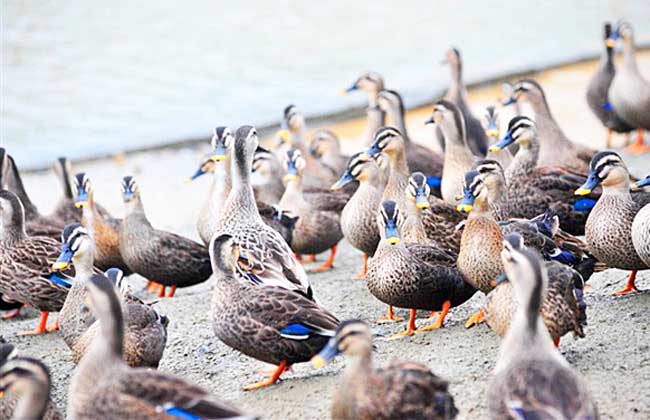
{"x":490,"y":214}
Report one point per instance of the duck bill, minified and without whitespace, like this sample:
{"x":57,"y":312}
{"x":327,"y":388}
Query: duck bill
{"x":199,"y":173}
{"x":63,"y":261}
{"x":421,"y":200}
{"x":509,"y":101}
{"x":219,"y":153}
{"x":283,"y":133}
{"x":372,"y":151}
{"x":610,"y":42}
{"x":81,"y":200}
{"x":502,"y":278}
{"x":128,"y":196}
{"x":591,"y":183}
{"x":392,"y":235}
{"x":344,"y":180}
{"x":492,"y":130}
{"x":467,"y":202}
{"x":503,"y":143}
{"x":292,"y":173}
{"x":329,"y":352}
{"x":640,"y":183}
{"x":429,"y":120}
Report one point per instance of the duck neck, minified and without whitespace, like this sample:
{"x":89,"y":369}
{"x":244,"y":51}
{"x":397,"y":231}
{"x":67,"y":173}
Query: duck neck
{"x":292,"y":198}
{"x":629,"y":59}
{"x":480,"y":209}
{"x":456,"y":150}
{"x":376,"y":119}
{"x":33,"y":402}
{"x":398,"y":176}
{"x":241,"y":198}
{"x":135,"y":211}
{"x":12,"y":233}
{"x":525,"y":161}
{"x":607,"y":58}
{"x":396,"y":112}
{"x":15,"y":184}
{"x":456,"y":86}
{"x":359,"y":368}
{"x":299,"y":138}
{"x":222,"y":182}
{"x":83,"y":265}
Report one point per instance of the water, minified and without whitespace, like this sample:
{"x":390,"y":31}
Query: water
{"x":81,"y":78}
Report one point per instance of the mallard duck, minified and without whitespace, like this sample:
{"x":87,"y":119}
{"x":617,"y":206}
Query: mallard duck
{"x":413,"y":276}
{"x":359,"y":216}
{"x":492,"y":129}
{"x":418,"y":157}
{"x":609,"y":227}
{"x":25,"y":265}
{"x":326,"y":147}
{"x":598,"y":91}
{"x":555,"y":148}
{"x":164,"y":257}
{"x":372,"y":83}
{"x":531,"y":378}
{"x":105,"y":231}
{"x":533,"y":188}
{"x":26,"y":383}
{"x":317,"y":229}
{"x":629,"y":92}
{"x":439,"y":219}
{"x":398,"y":390}
{"x":104,"y":386}
{"x":271,"y":324}
{"x":145,"y":330}
{"x":268,"y":255}
{"x":457,"y":94}
{"x":641,"y":226}
{"x":458,"y":156}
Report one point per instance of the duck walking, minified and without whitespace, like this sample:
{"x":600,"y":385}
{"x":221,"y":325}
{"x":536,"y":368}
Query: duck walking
{"x":398,"y":390}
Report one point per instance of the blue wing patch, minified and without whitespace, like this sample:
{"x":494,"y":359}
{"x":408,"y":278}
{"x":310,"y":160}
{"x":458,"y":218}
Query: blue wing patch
{"x":296,"y":332}
{"x":607,"y":106}
{"x":565,"y":257}
{"x":181,"y":414}
{"x":58,"y":280}
{"x":434,"y":181}
{"x":584,"y":204}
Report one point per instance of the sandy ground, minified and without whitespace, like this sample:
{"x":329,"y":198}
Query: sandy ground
{"x":614,"y":357}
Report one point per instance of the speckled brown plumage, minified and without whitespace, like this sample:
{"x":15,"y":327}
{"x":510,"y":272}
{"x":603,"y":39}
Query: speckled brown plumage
{"x":480,"y":247}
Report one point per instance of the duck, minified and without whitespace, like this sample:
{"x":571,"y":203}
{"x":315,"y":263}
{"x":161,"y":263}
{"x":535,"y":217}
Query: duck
{"x":164,"y":257}
{"x":221,"y":159}
{"x":598,"y":91}
{"x":25,"y":260}
{"x":104,"y":230}
{"x":555,"y":148}
{"x":419,"y":157}
{"x":531,"y":378}
{"x":372,"y":83}
{"x":268,"y":254}
{"x":358,"y":217}
{"x":317,"y":229}
{"x":104,"y":386}
{"x":439,"y":219}
{"x":325,"y":146}
{"x":457,"y":94}
{"x":414,"y":276}
{"x":146,"y":333}
{"x":629,"y":92}
{"x":397,"y":390}
{"x":271,"y":324}
{"x":458,"y":156}
{"x":26,"y":384}
{"x":533,"y":188}
{"x":641,"y":225}
{"x":293,"y":134}
{"x":608,"y":230}
{"x":268,"y":172}
{"x":491,"y":124}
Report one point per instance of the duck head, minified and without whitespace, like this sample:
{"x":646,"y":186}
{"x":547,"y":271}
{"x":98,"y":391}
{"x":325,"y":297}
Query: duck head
{"x":524,"y":269}
{"x":386,"y":140}
{"x":370,"y":82}
{"x":607,"y":169}
{"x":76,"y":246}
{"x":474,"y":190}
{"x":221,"y":143}
{"x":390,"y":221}
{"x":449,"y":117}
{"x":130,"y":189}
{"x":23,"y":376}
{"x":323,"y":143}
{"x":491,"y":122}
{"x":521,"y":130}
{"x":352,"y":337}
{"x":640,"y":184}
{"x":418,"y":191}
{"x":389,"y":99}
{"x":207,"y":166}
{"x":82,"y":189}
{"x":294,"y":165}
{"x":360,"y":168}
{"x":525,"y":89}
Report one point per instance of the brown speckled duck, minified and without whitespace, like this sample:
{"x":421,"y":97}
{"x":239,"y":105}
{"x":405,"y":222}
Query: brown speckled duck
{"x":398,"y":390}
{"x":531,"y":378}
{"x":326,"y":147}
{"x":609,"y":227}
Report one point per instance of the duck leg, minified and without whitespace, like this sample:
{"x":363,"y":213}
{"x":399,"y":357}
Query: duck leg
{"x":362,"y":275}
{"x":161,"y":291}
{"x":270,"y":380}
{"x":172,"y":291}
{"x":440,"y":320}
{"x":556,"y":342}
{"x":475,"y":319}
{"x":42,"y":324}
{"x":410,"y":329}
{"x":630,"y":287}
{"x":390,"y":316}
{"x":329,"y":264}
{"x":638,"y":147}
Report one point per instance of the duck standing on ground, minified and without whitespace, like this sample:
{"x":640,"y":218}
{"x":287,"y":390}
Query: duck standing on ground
{"x":457,"y":94}
{"x":641,"y":225}
{"x":164,"y":257}
{"x":317,"y":229}
{"x":25,"y":262}
{"x":629,"y":92}
{"x":359,"y":216}
{"x":266,"y":252}
{"x":555,"y":148}
{"x":104,"y":386}
{"x":531,"y":378}
{"x":609,"y":227}
{"x":271,"y":324}
{"x":598,"y":91}
{"x":398,"y":390}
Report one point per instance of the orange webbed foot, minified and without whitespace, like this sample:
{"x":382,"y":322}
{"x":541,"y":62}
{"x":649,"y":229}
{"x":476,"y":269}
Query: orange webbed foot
{"x":40,"y":329}
{"x":390,"y":317}
{"x":475,"y":319}
{"x":438,"y":323}
{"x":630,"y":287}
{"x":275,"y":376}
{"x":410,"y":328}
{"x":329,"y":264}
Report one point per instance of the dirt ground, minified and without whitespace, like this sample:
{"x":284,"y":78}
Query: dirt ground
{"x":614,"y":357}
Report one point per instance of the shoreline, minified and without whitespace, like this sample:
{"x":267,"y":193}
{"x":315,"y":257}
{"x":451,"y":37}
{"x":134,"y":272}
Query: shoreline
{"x":350,"y":114}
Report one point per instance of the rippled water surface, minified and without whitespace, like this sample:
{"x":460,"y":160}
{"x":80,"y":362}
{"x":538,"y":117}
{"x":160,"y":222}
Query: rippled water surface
{"x":86,"y":77}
